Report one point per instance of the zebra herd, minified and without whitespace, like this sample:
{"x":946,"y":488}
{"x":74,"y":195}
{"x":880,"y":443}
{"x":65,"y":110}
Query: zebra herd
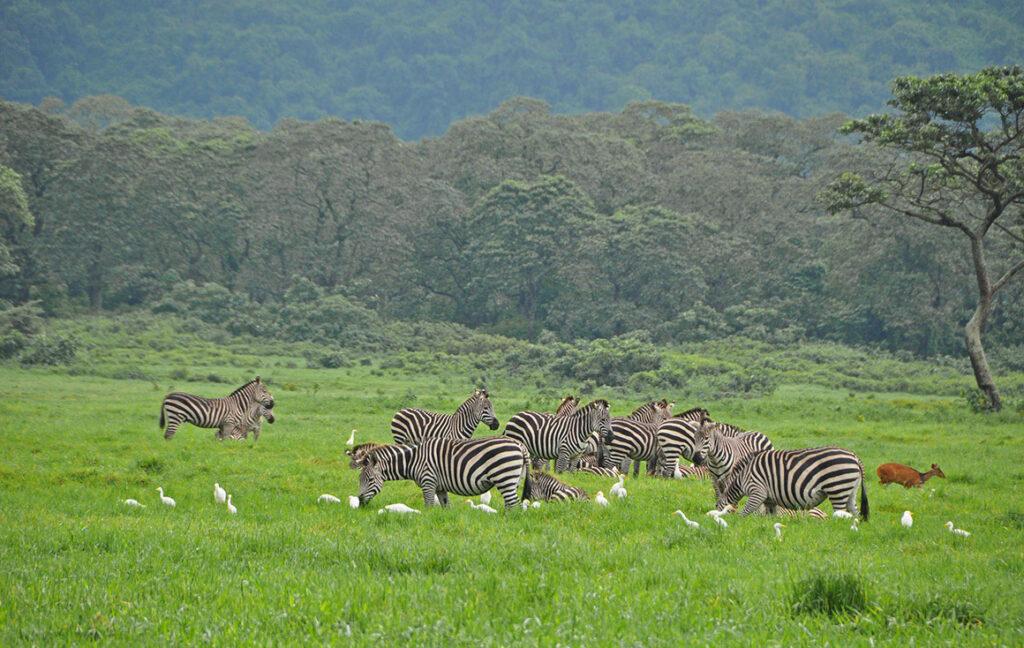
{"x":439,"y":453}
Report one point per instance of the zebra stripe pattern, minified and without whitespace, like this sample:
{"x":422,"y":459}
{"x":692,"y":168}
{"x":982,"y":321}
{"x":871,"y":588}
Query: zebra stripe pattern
{"x":722,"y":452}
{"x":676,"y":437}
{"x":442,"y":466}
{"x":568,"y":405}
{"x":179,"y":407}
{"x":411,"y":425}
{"x":797,"y":479}
{"x":634,"y":437}
{"x":559,"y":437}
{"x":547,"y":487}
{"x":252,"y":421}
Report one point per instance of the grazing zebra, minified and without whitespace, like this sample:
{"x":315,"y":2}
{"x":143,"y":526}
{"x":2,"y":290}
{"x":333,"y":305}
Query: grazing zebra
{"x":358,"y":453}
{"x":559,"y":437}
{"x":722,"y":452}
{"x":442,"y":466}
{"x":411,"y":425}
{"x":676,"y":437}
{"x":179,"y":407}
{"x":634,"y":437}
{"x":251,"y":421}
{"x":568,"y":405}
{"x":547,"y":487}
{"x":797,"y":479}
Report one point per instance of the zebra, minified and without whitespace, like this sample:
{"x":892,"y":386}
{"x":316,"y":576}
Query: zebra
{"x":442,"y":466}
{"x":797,"y":479}
{"x":411,"y":425}
{"x":696,"y":472}
{"x":179,"y":407}
{"x":560,"y":437}
{"x":722,"y":452}
{"x":568,"y":405}
{"x":634,"y":437}
{"x":676,"y":437}
{"x":251,"y":421}
{"x":545,"y":486}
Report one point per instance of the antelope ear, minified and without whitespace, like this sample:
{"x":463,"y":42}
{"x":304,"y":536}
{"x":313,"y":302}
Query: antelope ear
{"x":935,"y":466}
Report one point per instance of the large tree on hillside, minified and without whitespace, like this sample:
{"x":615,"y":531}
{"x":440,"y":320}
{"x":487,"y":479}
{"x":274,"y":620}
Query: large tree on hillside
{"x":954,"y":148}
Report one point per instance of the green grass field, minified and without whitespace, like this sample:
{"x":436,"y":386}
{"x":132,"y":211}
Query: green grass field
{"x":76,"y":565}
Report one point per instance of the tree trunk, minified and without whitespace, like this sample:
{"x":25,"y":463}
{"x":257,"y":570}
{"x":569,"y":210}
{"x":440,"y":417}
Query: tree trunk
{"x":972,"y":336}
{"x":976,"y":326}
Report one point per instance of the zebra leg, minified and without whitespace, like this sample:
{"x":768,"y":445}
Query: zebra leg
{"x":429,"y":494}
{"x":754,"y":501}
{"x":509,"y":493}
{"x":564,"y":459}
{"x":443,"y":498}
{"x":172,"y":427}
{"x":636,"y":468}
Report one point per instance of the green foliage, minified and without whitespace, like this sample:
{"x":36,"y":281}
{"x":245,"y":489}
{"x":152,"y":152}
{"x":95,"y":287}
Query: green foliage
{"x":422,"y":67}
{"x":834,"y":595}
{"x":50,"y":350}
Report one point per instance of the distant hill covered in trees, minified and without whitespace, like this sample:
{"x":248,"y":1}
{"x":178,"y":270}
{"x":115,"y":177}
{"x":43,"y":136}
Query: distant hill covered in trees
{"x":422,"y":66}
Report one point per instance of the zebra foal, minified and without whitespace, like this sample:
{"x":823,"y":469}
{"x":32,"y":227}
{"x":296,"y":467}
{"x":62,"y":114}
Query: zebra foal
{"x":221,"y":413}
{"x":547,"y":487}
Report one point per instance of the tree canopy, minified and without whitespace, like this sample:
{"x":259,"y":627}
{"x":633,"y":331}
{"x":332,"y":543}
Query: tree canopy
{"x":422,"y":66}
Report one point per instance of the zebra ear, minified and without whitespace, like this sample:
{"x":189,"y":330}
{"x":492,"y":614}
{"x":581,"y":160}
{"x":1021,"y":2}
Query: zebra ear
{"x":257,"y":379}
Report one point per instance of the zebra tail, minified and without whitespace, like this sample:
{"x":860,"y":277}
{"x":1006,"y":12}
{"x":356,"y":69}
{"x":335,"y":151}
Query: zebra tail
{"x":161,"y":416}
{"x":863,"y":501}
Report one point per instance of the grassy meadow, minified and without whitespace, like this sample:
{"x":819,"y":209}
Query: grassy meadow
{"x":76,"y":565}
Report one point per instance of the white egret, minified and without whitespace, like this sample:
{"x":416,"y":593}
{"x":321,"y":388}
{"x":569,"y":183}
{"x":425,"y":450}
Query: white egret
{"x":485,"y":498}
{"x":353,"y":501}
{"x":843,"y":515}
{"x":133,"y":502}
{"x":690,"y":523}
{"x":907,"y":520}
{"x":535,"y":504}
{"x":853,"y":527}
{"x":330,"y":499}
{"x":481,"y":507}
{"x":231,"y":507}
{"x":398,"y":508}
{"x":720,"y":521}
{"x":219,"y":495}
{"x":959,"y":532}
{"x":621,"y":493}
{"x":601,"y":499}
{"x":617,"y":486}
{"x":166,"y":500}
{"x":351,"y":439}
{"x":778,"y":530}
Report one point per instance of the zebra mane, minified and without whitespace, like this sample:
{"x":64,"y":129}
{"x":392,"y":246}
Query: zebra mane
{"x":692,"y":410}
{"x":243,"y":387}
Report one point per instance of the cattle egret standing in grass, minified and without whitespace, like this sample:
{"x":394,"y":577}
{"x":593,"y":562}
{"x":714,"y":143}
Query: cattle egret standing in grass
{"x":219,"y":495}
{"x":959,"y":532}
{"x":132,"y":502}
{"x":621,"y":493}
{"x":398,"y":508}
{"x":330,"y":499}
{"x":481,"y":507}
{"x":166,"y":500}
{"x":842,"y":515}
{"x":690,"y":523}
{"x":601,"y":499}
{"x":525,"y":504}
{"x":534,"y":504}
{"x":485,"y":498}
{"x":351,"y":439}
{"x":618,"y":486}
{"x":677,"y":473}
{"x":778,"y":530}
{"x":231,"y":507}
{"x":715,"y":513}
{"x":720,"y":521}
{"x":353,"y":501}
{"x":907,"y":520}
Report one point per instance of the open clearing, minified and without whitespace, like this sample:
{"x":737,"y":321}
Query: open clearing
{"x":76,"y":564}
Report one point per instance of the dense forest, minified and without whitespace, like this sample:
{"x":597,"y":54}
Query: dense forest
{"x":521,"y":222}
{"x":421,"y":66}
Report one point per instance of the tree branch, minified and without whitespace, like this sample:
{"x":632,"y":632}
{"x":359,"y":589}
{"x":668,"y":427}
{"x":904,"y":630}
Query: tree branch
{"x":1006,"y":277}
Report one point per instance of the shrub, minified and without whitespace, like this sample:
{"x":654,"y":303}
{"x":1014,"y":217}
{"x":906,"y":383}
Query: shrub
{"x":12,"y":344}
{"x":56,"y":350}
{"x":327,"y":360}
{"x":828,"y":594}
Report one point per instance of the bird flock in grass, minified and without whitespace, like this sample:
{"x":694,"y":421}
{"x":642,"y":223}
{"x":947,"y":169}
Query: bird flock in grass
{"x":617,"y":490}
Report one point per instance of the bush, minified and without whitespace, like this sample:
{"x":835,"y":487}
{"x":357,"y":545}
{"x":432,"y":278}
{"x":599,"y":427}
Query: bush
{"x":327,"y":360}
{"x":828,"y":594}
{"x":12,"y":344}
{"x":608,"y":362}
{"x":56,"y":350}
